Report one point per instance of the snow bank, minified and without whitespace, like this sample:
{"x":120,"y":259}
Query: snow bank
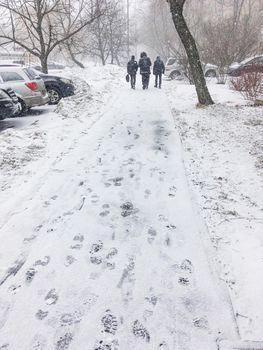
{"x":90,"y":83}
{"x":51,"y":132}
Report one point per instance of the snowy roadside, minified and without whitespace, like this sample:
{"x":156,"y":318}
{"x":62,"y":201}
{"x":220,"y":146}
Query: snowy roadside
{"x":223,"y":147}
{"x":30,"y":150}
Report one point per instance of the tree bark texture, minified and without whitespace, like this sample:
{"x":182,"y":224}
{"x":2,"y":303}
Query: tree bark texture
{"x":176,"y":7}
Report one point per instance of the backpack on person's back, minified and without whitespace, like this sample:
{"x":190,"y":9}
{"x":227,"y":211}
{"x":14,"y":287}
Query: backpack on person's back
{"x":145,"y":64}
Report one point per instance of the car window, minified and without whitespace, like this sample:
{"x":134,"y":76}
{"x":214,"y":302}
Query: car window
{"x":31,"y":73}
{"x":11,"y":76}
{"x":38,"y":68}
{"x":171,"y":61}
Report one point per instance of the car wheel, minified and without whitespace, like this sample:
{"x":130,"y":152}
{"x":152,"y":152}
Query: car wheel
{"x":54,"y":95}
{"x":210,"y":74}
{"x":175,"y":74}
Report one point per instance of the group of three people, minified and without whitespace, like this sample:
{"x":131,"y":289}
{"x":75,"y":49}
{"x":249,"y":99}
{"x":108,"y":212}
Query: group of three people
{"x":145,"y":70}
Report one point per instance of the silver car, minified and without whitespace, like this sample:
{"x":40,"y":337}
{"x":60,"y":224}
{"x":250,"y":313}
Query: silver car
{"x":29,"y":89}
{"x":175,"y":70}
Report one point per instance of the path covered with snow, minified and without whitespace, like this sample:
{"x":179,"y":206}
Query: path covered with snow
{"x":107,"y":251}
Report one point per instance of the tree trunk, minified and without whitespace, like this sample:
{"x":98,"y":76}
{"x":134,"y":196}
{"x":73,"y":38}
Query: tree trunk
{"x":188,"y":41}
{"x":78,"y":63}
{"x":44,"y":64}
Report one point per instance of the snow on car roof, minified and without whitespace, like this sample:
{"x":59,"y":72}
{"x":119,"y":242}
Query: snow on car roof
{"x":249,"y":59}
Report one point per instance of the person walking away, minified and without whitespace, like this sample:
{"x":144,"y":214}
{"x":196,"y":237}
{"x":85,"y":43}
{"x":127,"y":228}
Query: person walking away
{"x":145,"y":69}
{"x":158,"y":71}
{"x":132,"y":68}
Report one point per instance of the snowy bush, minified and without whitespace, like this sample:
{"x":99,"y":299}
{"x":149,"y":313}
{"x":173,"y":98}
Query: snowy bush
{"x":249,"y":84}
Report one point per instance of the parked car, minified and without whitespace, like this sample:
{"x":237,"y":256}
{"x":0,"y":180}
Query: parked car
{"x":57,"y":87}
{"x":250,"y":64}
{"x":30,"y":91}
{"x":9,"y":105}
{"x":175,"y":70}
{"x":50,"y":66}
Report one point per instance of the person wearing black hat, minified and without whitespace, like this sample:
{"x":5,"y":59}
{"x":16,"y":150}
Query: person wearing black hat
{"x":145,"y":69}
{"x":132,"y":68}
{"x":158,"y":71}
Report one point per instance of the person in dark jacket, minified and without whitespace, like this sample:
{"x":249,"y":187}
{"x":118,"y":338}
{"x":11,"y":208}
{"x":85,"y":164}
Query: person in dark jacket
{"x":145,"y":70}
{"x":132,"y":68}
{"x":158,"y":71}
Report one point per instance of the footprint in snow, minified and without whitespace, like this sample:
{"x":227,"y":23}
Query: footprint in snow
{"x":109,"y":322}
{"x":151,"y":234}
{"x":109,"y":264}
{"x":96,"y":260}
{"x":140,"y":331}
{"x":117,"y":181}
{"x":96,"y":247}
{"x":43,"y":262}
{"x":127,"y":209}
{"x":200,"y":322}
{"x":106,"y":345}
{"x":172,"y":191}
{"x":30,"y":274}
{"x":64,"y":341}
{"x":41,"y":315}
{"x":187,"y":266}
{"x":163,"y":346}
{"x":152,"y":299}
{"x":52,"y":297}
{"x":147,"y":194}
{"x":77,"y":246}
{"x":94,"y":257}
{"x":78,"y":239}
{"x":184,"y":281}
{"x":104,"y":213}
{"x":128,"y":147}
{"x":112,"y":253}
{"x":68,"y":319}
{"x":69,"y":260}
{"x":38,"y":342}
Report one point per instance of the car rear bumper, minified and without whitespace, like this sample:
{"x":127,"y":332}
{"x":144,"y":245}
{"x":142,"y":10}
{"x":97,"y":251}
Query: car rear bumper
{"x":37,"y":100}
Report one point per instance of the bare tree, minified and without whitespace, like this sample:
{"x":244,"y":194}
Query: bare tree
{"x":177,"y":7}
{"x":117,"y":31}
{"x":36,"y":25}
{"x":232,"y":36}
{"x":107,"y":36}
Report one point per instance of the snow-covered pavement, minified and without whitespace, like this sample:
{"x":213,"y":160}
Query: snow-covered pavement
{"x":106,"y":250}
{"x":223,"y":147}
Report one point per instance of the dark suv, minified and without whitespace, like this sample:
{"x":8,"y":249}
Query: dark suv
{"x":57,"y":87}
{"x":9,"y":105}
{"x":250,"y":65}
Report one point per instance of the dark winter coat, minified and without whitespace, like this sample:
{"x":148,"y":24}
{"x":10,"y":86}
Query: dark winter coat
{"x":158,"y":67}
{"x":132,"y":67}
{"x":145,"y":65}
